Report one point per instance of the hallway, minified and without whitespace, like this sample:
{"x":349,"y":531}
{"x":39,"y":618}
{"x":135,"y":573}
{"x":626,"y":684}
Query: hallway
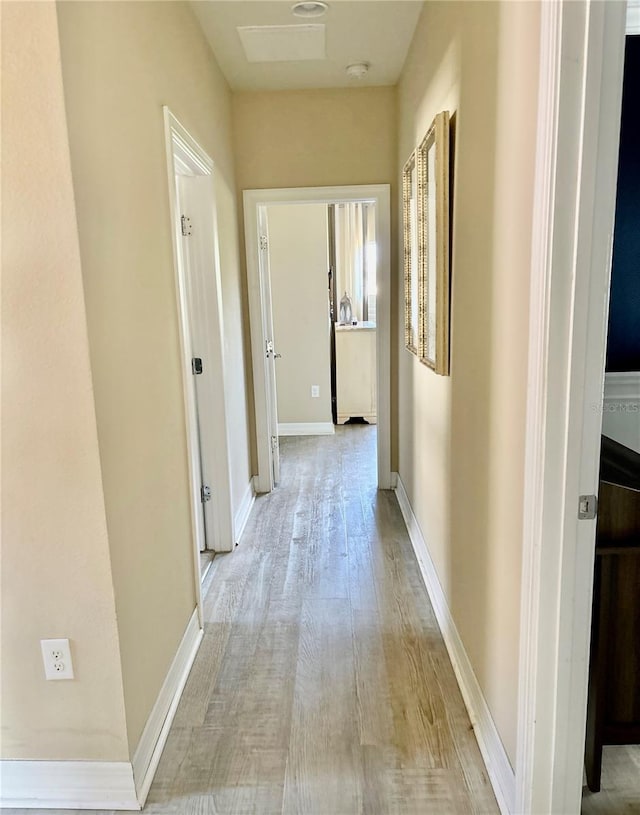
{"x":322,"y":684}
{"x":322,"y":679}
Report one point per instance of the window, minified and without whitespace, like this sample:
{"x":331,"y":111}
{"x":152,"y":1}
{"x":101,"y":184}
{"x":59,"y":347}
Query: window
{"x":356,"y":258}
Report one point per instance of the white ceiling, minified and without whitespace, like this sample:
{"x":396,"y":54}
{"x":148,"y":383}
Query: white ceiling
{"x":375,"y":31}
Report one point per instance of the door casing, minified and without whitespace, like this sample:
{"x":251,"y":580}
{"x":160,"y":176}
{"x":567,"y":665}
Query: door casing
{"x":581,"y":70}
{"x":185,"y":157}
{"x":254,"y":202}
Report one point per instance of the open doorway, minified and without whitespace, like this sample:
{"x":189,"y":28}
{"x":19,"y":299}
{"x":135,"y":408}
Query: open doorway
{"x":322,"y":273}
{"x":310,"y":356}
{"x":320,"y":267}
{"x":298,"y":270}
{"x":353,"y":296}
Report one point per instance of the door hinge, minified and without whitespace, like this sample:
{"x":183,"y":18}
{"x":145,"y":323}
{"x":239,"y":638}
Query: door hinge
{"x":271,"y":351}
{"x":274,"y":443}
{"x":185,"y":225}
{"x":264,"y":243}
{"x":587,"y":507}
{"x":205,"y":493}
{"x":196,"y":366}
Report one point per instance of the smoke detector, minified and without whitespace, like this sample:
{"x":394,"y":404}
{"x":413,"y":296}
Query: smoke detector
{"x":357,"y":70}
{"x":309,"y":8}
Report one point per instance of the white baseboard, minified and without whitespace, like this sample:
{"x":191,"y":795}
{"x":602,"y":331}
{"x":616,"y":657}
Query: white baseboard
{"x":622,"y":385}
{"x":244,"y":510}
{"x":306,"y":429}
{"x":621,"y":408}
{"x":633,"y":17}
{"x":495,"y":757}
{"x":67,"y":785}
{"x":154,"y":735}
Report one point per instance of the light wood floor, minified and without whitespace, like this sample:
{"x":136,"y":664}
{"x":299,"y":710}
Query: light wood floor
{"x":322,"y":685}
{"x":620,"y":785}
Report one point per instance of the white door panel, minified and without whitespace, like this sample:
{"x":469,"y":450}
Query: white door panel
{"x":199,"y":252}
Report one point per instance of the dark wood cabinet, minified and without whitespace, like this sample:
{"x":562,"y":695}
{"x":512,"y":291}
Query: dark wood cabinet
{"x":613,"y":711}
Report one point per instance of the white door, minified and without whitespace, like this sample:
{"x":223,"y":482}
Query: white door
{"x":271,"y":353}
{"x":192,"y":203}
{"x":196,"y":215}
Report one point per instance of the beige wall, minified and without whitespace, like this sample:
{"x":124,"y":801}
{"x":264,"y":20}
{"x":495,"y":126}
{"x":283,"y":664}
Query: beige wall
{"x":121,"y":63}
{"x":317,"y":138}
{"x":56,"y":574}
{"x":314,"y":137}
{"x":299,"y":262}
{"x":461,"y":449}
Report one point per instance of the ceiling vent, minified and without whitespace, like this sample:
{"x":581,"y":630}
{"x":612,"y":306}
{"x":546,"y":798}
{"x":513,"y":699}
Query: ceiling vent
{"x":283,"y":43}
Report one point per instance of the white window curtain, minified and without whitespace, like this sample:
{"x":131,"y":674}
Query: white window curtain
{"x":351,"y":224}
{"x":370,"y":262}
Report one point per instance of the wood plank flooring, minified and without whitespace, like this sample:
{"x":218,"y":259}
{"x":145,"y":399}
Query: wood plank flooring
{"x":322,"y":685}
{"x":620,"y":789}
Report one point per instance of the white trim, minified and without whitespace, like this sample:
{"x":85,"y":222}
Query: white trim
{"x":633,"y":17}
{"x":582,"y":50}
{"x":255,"y":199}
{"x":173,"y":135}
{"x":244,"y":510}
{"x":67,"y":785}
{"x":622,"y":386}
{"x":548,"y":101}
{"x":621,"y":408}
{"x":306,"y":429}
{"x":495,"y":757}
{"x":154,"y":735}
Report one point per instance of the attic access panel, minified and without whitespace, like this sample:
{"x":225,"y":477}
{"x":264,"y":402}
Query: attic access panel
{"x":283,"y":43}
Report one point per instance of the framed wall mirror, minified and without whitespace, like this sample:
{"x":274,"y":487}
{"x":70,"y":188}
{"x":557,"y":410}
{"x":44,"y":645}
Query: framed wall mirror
{"x":433,"y":244}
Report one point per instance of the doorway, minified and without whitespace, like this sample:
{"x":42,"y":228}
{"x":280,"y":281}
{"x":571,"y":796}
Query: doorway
{"x":582,"y":50}
{"x":199,"y":300}
{"x":266,"y":355}
{"x":353,"y":297}
{"x":298,"y":270}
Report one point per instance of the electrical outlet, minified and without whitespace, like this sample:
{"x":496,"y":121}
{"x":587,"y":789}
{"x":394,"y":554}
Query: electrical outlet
{"x":56,"y":655}
{"x":315,"y":391}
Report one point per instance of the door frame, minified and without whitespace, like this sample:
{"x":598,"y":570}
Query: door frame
{"x":581,"y":70}
{"x":185,"y":156}
{"x":371,"y":193}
